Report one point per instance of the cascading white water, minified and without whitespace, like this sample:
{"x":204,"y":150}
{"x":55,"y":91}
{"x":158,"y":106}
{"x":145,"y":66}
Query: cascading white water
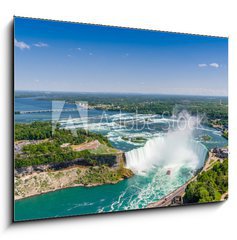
{"x":172,"y":150}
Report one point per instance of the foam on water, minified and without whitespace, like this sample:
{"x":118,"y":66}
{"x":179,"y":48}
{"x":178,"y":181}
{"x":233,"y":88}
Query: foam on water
{"x":176,"y":148}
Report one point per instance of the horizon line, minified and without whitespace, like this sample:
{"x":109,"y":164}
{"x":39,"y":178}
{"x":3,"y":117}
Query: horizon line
{"x":134,"y":93}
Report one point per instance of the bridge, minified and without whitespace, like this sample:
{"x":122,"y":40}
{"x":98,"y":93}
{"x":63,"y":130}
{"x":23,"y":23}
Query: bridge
{"x":47,"y":110}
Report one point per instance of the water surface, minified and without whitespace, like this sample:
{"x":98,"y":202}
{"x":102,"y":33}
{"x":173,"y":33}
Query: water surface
{"x":133,"y":193}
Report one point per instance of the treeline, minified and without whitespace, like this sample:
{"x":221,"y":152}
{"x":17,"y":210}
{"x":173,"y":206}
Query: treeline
{"x":43,"y":130}
{"x":209,"y":186}
{"x":213,"y":107}
{"x":212,"y":110}
{"x":33,"y":131}
{"x":65,"y":136}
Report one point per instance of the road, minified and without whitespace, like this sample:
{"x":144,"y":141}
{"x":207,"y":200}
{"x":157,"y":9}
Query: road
{"x":167,"y":200}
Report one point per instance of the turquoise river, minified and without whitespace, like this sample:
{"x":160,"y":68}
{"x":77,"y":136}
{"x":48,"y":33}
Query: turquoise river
{"x":181,"y":151}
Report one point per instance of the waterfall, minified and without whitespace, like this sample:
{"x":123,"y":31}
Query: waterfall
{"x":159,"y":151}
{"x":176,"y":148}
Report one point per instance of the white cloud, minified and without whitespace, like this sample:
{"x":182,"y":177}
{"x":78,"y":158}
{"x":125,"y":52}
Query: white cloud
{"x":215,"y":65}
{"x":21,"y":45}
{"x":41,"y":44}
{"x":79,"y":49}
{"x":202,"y":65}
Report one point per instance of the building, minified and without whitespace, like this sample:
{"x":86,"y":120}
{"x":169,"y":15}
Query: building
{"x":220,"y":152}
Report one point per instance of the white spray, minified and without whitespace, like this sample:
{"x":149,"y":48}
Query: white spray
{"x":176,"y":148}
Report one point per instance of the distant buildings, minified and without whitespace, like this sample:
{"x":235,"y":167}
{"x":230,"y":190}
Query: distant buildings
{"x":220,"y":152}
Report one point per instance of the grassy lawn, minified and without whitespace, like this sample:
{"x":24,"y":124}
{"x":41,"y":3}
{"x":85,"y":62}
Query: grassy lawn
{"x":103,"y":149}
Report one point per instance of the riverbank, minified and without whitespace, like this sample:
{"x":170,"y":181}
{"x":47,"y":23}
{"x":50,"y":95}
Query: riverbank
{"x":46,"y":162}
{"x":49,"y":181}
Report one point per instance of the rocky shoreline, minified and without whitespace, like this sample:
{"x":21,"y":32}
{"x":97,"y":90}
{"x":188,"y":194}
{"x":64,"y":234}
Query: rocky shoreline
{"x":111,"y":161}
{"x":42,"y":179}
{"x":32,"y":194}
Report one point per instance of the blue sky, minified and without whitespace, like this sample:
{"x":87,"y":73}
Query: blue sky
{"x":58,"y":56}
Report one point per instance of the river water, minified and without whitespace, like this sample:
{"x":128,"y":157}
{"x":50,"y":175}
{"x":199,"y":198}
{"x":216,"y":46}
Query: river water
{"x":153,"y":153}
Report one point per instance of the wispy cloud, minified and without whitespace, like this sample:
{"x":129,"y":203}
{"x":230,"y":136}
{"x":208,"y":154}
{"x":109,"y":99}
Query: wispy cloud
{"x":79,"y":49}
{"x":90,"y":54}
{"x":215,"y":65}
{"x":41,"y":44}
{"x":202,"y":65}
{"x":21,"y":45}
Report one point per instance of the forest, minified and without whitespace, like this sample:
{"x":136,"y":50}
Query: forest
{"x":51,"y":150}
{"x":209,"y":186}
